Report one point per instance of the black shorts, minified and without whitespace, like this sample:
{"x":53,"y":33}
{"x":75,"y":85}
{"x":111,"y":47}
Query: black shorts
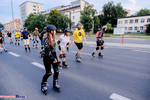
{"x":100,"y":43}
{"x":1,"y":41}
{"x":79,"y":45}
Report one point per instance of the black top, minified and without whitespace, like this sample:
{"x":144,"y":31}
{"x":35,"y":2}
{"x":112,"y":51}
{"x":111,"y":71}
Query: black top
{"x":9,"y":34}
{"x":49,"y":50}
{"x":42,"y":34}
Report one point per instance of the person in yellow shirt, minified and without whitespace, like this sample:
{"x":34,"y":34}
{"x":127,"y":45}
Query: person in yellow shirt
{"x":78,"y":35}
{"x":17,"y":37}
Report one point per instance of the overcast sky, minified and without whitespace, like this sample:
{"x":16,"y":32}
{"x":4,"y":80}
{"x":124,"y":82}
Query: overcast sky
{"x":6,"y":15}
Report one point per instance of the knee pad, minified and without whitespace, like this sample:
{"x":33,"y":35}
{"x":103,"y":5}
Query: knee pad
{"x":64,"y":55}
{"x":56,"y":71}
{"x":60,"y":56}
{"x":42,"y":47}
{"x":18,"y":40}
{"x":37,"y":41}
{"x":97,"y":48}
{"x":34,"y":42}
{"x":102,"y":48}
{"x":49,"y":73}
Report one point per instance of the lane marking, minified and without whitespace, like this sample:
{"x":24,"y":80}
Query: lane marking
{"x":41,"y":66}
{"x":14,"y":54}
{"x":95,"y":46}
{"x":115,"y":96}
{"x":81,"y":53}
{"x":141,"y":51}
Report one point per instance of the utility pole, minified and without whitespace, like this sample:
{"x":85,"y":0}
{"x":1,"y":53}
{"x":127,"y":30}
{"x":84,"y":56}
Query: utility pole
{"x":13,"y":17}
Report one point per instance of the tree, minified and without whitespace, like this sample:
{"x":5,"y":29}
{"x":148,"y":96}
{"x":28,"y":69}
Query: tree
{"x":144,"y":11}
{"x":87,"y":18}
{"x":96,"y":24}
{"x":27,"y":22}
{"x":109,"y":28}
{"x":38,"y":21}
{"x":63,"y":22}
{"x":102,"y":20}
{"x":1,"y":25}
{"x":53,"y":17}
{"x":148,"y":29}
{"x":113,"y":12}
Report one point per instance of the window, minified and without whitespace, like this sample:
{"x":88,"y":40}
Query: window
{"x":136,"y":20}
{"x":141,"y":27}
{"x":73,"y":17}
{"x":126,"y":21}
{"x":131,"y":21}
{"x":142,"y":20}
{"x":135,"y":28}
{"x":148,"y":19}
{"x":125,"y":28}
{"x":130,"y":28}
{"x":76,"y":4}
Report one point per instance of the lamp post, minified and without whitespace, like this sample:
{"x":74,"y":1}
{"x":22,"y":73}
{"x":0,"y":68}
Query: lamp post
{"x":13,"y":17}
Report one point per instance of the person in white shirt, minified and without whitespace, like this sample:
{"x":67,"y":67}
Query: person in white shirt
{"x":63,"y":46}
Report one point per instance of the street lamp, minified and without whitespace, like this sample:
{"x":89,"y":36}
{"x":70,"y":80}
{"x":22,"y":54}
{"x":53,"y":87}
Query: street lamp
{"x":13,"y":16}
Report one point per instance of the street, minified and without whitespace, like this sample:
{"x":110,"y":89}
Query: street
{"x":123,"y":74}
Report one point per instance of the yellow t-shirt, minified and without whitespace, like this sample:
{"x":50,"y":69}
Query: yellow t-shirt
{"x":78,"y":34}
{"x":17,"y":34}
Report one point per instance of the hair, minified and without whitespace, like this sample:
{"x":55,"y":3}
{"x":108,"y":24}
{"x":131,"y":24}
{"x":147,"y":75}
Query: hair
{"x":1,"y":33}
{"x":51,"y":37}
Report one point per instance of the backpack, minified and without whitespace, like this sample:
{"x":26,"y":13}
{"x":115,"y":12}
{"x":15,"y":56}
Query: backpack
{"x":97,"y":34}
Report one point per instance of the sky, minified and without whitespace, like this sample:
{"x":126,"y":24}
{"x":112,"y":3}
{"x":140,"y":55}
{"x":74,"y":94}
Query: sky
{"x":6,"y":11}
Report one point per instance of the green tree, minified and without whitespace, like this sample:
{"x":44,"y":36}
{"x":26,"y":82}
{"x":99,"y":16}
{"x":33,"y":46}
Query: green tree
{"x":38,"y":21}
{"x":27,"y":22}
{"x":113,"y":12}
{"x":102,"y":20}
{"x":63,"y":22}
{"x":144,"y":11}
{"x":96,"y":24}
{"x":87,"y":18}
{"x":109,"y":28}
{"x":53,"y":17}
{"x":148,"y":29}
{"x":1,"y":25}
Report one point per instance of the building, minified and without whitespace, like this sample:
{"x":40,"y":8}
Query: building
{"x":29,"y":7}
{"x":128,"y":12}
{"x":134,"y":24}
{"x":72,"y":10}
{"x":9,"y":25}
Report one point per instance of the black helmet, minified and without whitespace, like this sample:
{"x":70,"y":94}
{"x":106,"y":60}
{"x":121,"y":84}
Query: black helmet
{"x":25,"y":27}
{"x":50,"y":27}
{"x":67,"y":30}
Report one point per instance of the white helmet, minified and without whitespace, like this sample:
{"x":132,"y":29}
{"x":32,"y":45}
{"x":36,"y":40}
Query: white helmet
{"x":104,"y":27}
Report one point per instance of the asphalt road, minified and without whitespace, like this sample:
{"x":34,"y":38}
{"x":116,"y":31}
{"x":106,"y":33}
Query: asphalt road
{"x":123,"y":74}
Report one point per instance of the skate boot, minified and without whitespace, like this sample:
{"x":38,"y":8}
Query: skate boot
{"x":1,"y":51}
{"x":59,"y":65}
{"x":29,"y":49}
{"x":78,"y":59}
{"x":18,"y":44}
{"x":5,"y":50}
{"x":100,"y":55}
{"x":56,"y":86}
{"x":15,"y":43}
{"x":93,"y":54}
{"x":26,"y":49}
{"x":44,"y":87}
{"x":65,"y":65}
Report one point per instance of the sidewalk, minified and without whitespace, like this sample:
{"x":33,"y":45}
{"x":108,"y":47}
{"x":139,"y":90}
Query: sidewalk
{"x":125,"y":45}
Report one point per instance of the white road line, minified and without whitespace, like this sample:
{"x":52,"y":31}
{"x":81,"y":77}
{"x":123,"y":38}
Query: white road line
{"x":115,"y":96}
{"x":141,"y":51}
{"x":14,"y":54}
{"x":82,"y":53}
{"x":41,"y":66}
{"x":95,"y":46}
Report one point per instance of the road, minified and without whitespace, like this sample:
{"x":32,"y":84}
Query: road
{"x":122,"y":74}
